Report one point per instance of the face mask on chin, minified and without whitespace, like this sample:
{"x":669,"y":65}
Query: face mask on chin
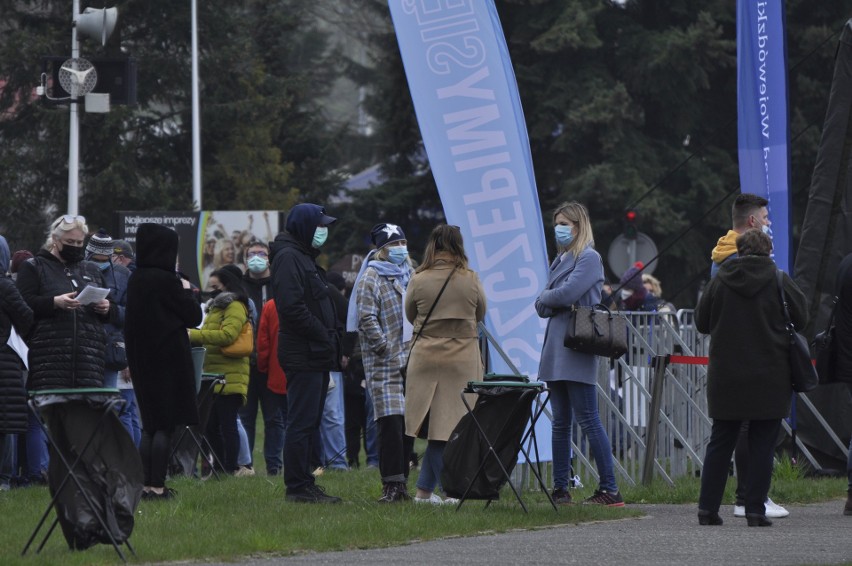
{"x":103,"y":265}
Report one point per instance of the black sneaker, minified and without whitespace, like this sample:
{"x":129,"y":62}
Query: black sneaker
{"x":561,"y":496}
{"x":394,"y":492}
{"x":311,"y":494}
{"x":603,"y":497}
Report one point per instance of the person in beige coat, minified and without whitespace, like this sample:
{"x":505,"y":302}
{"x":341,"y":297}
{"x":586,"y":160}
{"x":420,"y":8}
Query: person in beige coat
{"x":445,"y":355}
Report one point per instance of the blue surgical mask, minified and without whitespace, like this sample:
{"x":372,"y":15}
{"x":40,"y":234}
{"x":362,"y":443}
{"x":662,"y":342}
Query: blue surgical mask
{"x":320,"y":236}
{"x":103,"y":266}
{"x":397,"y":254}
{"x":257,"y":264}
{"x":563,"y":234}
{"x":766,"y":230}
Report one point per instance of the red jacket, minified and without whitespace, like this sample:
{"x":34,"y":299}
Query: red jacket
{"x":267,"y":349}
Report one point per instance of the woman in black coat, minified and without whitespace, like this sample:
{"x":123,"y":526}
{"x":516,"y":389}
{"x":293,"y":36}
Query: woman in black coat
{"x":67,"y":342}
{"x":160,"y":307}
{"x":13,"y":396}
{"x":748,"y":377}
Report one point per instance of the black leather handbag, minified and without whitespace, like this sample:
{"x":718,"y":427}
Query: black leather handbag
{"x":802,"y":371}
{"x":597,"y":330}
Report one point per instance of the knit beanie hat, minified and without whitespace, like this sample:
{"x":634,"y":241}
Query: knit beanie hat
{"x":122,"y":247}
{"x":18,"y":258}
{"x":99,"y":244}
{"x":632,"y":279}
{"x":383,"y":234}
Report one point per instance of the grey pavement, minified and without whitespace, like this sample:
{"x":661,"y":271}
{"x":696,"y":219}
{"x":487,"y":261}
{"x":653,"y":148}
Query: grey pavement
{"x":667,"y":534}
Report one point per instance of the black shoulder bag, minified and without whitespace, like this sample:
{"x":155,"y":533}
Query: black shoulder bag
{"x":803,"y":374}
{"x":403,"y":371}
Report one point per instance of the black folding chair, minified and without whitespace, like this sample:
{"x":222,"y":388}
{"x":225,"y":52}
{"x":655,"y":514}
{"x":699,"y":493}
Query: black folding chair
{"x":192,"y":440}
{"x":483,"y":449}
{"x":95,"y":471}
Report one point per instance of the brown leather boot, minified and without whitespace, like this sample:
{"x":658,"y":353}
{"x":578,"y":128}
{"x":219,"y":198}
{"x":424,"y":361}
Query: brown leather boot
{"x":847,"y":509}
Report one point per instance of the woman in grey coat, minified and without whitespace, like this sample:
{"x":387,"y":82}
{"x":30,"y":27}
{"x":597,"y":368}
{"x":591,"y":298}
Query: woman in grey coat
{"x":576,"y":277}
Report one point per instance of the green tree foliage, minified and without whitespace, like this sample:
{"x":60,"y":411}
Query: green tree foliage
{"x":628,"y":105}
{"x":263,"y":68}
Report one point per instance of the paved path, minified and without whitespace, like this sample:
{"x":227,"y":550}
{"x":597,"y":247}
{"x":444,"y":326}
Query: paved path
{"x":668,"y":534}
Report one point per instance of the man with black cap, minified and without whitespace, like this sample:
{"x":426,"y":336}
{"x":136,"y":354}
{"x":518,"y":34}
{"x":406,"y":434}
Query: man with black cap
{"x":122,"y":254}
{"x":308,"y":342}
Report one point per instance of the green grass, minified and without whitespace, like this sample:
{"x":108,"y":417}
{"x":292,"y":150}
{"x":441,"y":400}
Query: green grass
{"x":237,"y":517}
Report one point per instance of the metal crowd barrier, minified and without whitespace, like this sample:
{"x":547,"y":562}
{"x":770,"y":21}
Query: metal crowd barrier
{"x":663,"y":373}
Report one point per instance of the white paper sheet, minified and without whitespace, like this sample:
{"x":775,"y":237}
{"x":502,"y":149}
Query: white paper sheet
{"x":91,"y":295}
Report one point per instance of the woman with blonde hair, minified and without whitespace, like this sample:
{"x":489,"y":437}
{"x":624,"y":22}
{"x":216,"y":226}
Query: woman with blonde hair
{"x":576,"y":278}
{"x":65,"y":330}
{"x":445,"y":302}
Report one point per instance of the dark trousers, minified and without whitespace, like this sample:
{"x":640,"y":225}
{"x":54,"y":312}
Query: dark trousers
{"x":394,"y":448}
{"x":222,"y":430}
{"x":155,"y":447}
{"x":355,"y":413}
{"x":741,"y":462}
{"x":274,"y":420}
{"x":306,"y":392}
{"x":723,"y":438}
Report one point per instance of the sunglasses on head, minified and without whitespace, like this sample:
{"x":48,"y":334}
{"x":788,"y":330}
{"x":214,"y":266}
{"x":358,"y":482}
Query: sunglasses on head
{"x":70,"y":219}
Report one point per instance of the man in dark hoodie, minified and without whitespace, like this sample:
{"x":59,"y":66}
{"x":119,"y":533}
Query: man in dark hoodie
{"x":308,"y":341}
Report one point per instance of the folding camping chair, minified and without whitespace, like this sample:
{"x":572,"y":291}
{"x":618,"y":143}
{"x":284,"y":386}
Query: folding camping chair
{"x":92,"y":457}
{"x":184,"y":454}
{"x":493,"y":432}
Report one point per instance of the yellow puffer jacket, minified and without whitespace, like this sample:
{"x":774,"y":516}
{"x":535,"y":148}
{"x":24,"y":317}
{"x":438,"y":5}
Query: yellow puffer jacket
{"x":222,"y":325}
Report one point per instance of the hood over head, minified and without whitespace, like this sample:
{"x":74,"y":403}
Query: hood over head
{"x":156,"y":246}
{"x":748,"y":275}
{"x":303,"y":219}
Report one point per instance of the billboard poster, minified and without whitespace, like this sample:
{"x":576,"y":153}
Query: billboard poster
{"x":208,"y":239}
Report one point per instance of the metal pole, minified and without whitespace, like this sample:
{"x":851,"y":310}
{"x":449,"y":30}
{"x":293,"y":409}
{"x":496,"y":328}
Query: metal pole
{"x":196,"y":117}
{"x":653,"y":419}
{"x":74,"y":127}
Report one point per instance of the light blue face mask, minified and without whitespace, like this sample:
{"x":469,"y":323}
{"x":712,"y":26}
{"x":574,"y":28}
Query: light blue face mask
{"x":103,"y":266}
{"x":257,"y":264}
{"x":320,"y":236}
{"x":563,"y":234}
{"x":397,"y":254}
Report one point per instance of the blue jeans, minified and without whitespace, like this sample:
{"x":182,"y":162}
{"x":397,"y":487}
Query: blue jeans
{"x":332,"y":428}
{"x":129,"y":416}
{"x":570,"y":400}
{"x":306,"y":392}
{"x":274,"y":419}
{"x":37,"y":455}
{"x":110,"y":379}
{"x":431,"y":466}
{"x":244,"y":455}
{"x":371,"y":434}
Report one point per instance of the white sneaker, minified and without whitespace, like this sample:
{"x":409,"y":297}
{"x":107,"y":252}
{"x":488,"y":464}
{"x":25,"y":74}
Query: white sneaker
{"x":244,"y":472}
{"x":451,"y":501}
{"x":432,"y":499}
{"x":775,"y":511}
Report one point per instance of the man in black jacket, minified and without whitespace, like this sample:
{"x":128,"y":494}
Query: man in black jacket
{"x":308,"y":341}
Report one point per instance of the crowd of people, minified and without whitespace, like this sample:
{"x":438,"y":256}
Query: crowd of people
{"x":384,"y":360}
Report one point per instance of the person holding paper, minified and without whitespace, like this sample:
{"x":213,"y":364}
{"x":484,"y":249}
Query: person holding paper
{"x":67,"y":342}
{"x":14,"y":312}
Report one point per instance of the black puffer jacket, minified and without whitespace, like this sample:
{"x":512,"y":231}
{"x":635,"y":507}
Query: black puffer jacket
{"x":13,"y":311}
{"x":309,"y":337}
{"x":66,"y":348}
